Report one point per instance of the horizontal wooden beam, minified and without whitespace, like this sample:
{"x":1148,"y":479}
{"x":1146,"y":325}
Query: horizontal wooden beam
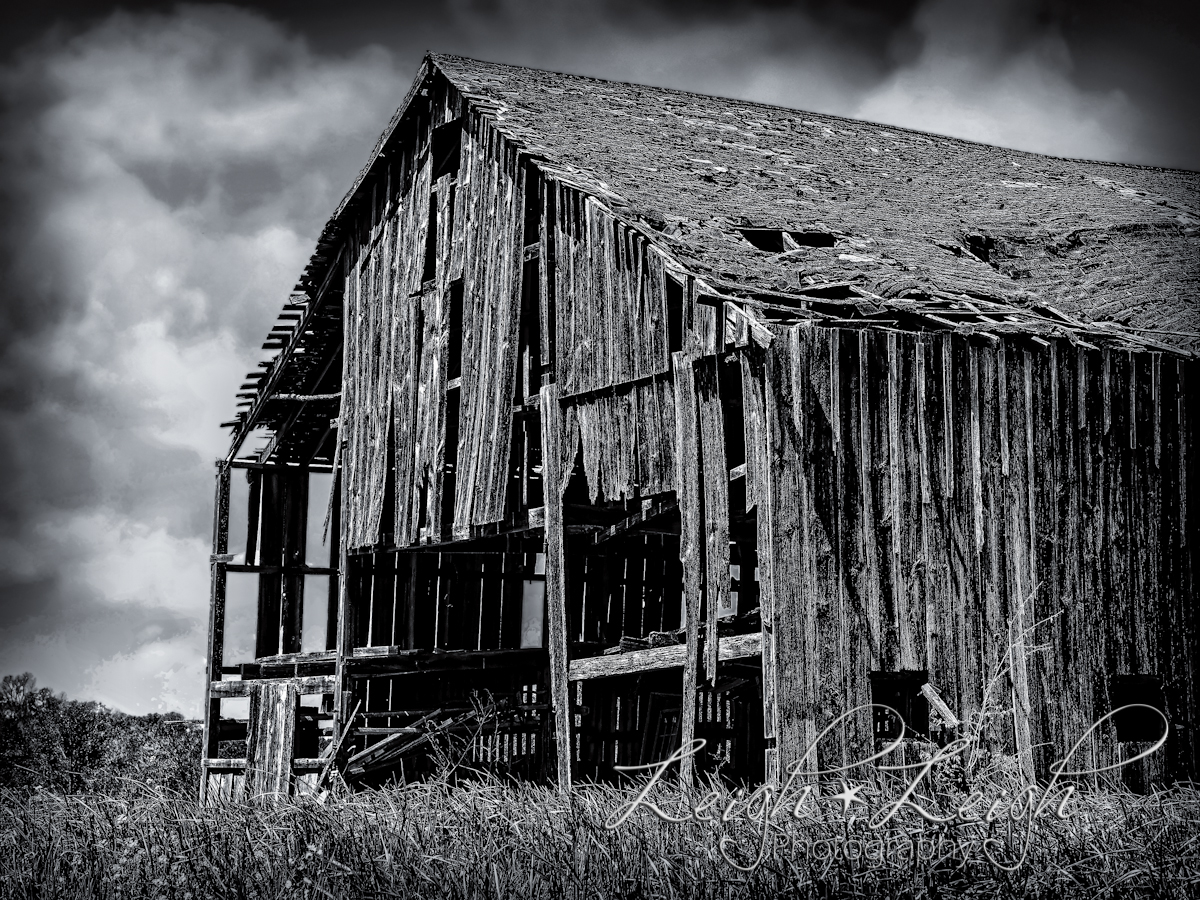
{"x":222,"y":764}
{"x":648,"y":512}
{"x":312,"y":684}
{"x":214,"y":764}
{"x":275,"y":570}
{"x":320,"y":468}
{"x":635,"y":661}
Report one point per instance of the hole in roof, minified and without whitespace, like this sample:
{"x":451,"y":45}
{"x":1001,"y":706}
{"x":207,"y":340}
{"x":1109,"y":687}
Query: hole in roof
{"x":776,"y":240}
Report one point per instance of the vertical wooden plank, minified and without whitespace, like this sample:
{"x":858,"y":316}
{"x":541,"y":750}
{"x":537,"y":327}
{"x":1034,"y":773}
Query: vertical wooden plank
{"x":791,"y":562}
{"x":269,"y":741}
{"x":966,"y":529}
{"x":826,"y":644}
{"x":991,"y":399}
{"x":691,"y":540}
{"x":852,"y":550}
{"x":868,"y":579}
{"x":270,"y":584}
{"x":928,"y":633}
{"x":1076,"y":667}
{"x":942,"y":603}
{"x":909,"y":492}
{"x":1094,"y":416}
{"x":216,"y":617}
{"x":1016,"y":398}
{"x":1186,"y":551}
{"x":897,"y":519}
{"x":715,"y":492}
{"x":294,"y":552}
{"x":754,"y":425}
{"x":554,"y":479}
{"x":1046,"y":613}
{"x":343,"y":699}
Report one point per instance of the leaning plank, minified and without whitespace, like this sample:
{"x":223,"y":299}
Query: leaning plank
{"x":645,"y":514}
{"x":736,"y":647}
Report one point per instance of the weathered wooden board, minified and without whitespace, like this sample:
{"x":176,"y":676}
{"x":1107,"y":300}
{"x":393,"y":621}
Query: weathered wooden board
{"x":610,"y":299}
{"x":691,"y":540}
{"x":270,"y":735}
{"x":556,"y":580}
{"x":735,"y":647}
{"x":714,"y":490}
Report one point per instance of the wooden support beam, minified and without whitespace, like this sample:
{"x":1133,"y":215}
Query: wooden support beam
{"x":253,"y":466}
{"x":313,"y":684}
{"x":342,"y":699}
{"x":691,"y":538}
{"x":282,"y":360}
{"x":761,"y":438}
{"x":556,"y":580}
{"x":635,"y":661}
{"x":216,"y":614}
{"x":715,"y":490}
{"x":645,"y":514}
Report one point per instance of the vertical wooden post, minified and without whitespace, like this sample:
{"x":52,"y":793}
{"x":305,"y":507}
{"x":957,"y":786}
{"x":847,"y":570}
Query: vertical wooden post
{"x":715,"y":490}
{"x":761,"y":487}
{"x":691,"y":537}
{"x":343,"y":702}
{"x":216,"y":620}
{"x":556,"y":580}
{"x":294,"y":521}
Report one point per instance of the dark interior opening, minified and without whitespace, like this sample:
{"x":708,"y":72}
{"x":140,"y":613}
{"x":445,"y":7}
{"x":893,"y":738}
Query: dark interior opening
{"x":674,"y":314}
{"x":445,"y":150}
{"x":772,"y":240}
{"x":454,"y":348}
{"x":1138,"y":723}
{"x":430,"y":269}
{"x":448,"y":479}
{"x":533,"y":207}
{"x":901,"y":691}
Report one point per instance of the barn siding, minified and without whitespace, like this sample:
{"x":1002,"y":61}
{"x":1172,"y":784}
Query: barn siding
{"x":951,"y":460}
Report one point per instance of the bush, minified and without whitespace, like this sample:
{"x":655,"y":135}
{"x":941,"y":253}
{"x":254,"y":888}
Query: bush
{"x":50,"y":743}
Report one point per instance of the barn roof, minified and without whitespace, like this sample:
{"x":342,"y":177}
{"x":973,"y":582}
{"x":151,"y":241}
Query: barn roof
{"x":897,"y":226}
{"x":899,"y":212}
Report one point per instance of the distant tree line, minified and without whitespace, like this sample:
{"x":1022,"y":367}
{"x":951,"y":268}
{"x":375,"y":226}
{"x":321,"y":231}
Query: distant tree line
{"x":50,"y":743}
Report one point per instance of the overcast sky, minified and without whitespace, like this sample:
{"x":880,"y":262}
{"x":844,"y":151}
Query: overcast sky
{"x":165,"y":170}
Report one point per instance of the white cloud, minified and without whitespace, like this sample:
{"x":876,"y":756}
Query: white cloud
{"x":982,"y":76}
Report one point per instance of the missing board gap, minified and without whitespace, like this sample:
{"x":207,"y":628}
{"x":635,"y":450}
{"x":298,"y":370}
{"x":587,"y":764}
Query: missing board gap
{"x":778,"y":240}
{"x":898,"y":706}
{"x":429,"y":270}
{"x":446,"y":148}
{"x":1139,"y":708}
{"x":455,"y":335}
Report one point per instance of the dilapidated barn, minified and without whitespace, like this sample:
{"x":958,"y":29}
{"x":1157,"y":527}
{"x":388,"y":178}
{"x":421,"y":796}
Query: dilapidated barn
{"x":607,"y":416}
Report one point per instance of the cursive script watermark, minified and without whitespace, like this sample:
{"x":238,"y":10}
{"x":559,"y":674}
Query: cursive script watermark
{"x":768,"y":808}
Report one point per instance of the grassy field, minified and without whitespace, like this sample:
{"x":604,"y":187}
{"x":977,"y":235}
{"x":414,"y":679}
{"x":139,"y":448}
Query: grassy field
{"x":487,"y":839}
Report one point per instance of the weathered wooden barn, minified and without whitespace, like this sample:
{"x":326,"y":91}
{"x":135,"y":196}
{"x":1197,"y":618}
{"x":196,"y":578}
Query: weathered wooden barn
{"x":608,"y":416}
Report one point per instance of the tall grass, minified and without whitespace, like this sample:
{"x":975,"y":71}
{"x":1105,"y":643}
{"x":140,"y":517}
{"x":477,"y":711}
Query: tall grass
{"x":489,"y":840}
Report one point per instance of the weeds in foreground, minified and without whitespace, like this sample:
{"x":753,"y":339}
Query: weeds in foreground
{"x":490,"y":839}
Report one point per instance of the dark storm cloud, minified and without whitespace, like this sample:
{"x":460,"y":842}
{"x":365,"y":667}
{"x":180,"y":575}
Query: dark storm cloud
{"x":163,"y":177}
{"x":164,"y":171}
